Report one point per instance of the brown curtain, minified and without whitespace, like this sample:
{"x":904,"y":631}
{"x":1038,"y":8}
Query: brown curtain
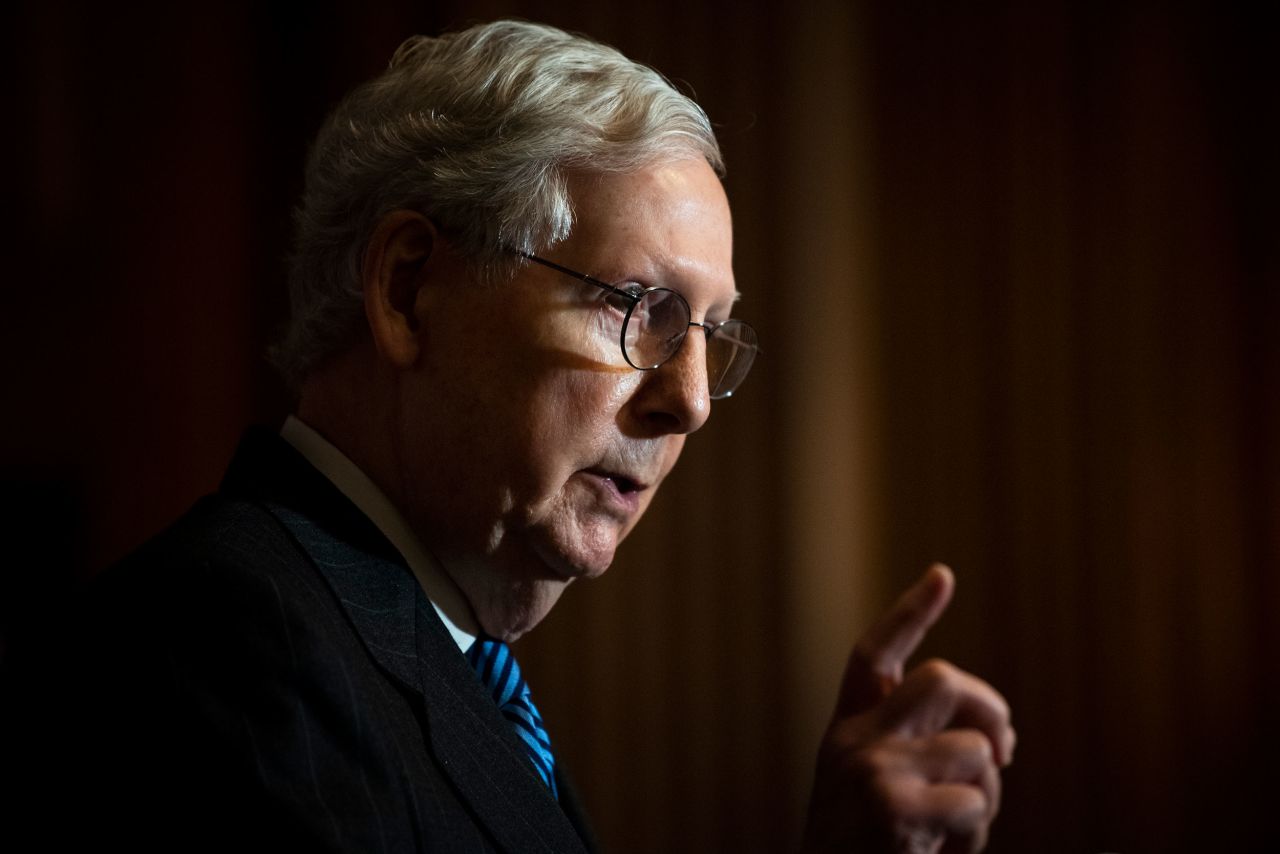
{"x":1015,"y":272}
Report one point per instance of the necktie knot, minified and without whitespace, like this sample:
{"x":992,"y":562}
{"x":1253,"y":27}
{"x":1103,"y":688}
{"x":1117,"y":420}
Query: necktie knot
{"x":500,"y":675}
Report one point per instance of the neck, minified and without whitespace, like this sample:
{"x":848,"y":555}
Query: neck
{"x":353,"y":404}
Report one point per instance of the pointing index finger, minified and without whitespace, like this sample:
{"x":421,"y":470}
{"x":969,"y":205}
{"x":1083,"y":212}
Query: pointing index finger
{"x":875,"y":667}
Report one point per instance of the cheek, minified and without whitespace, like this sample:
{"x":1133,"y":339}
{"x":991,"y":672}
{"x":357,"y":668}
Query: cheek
{"x":576,"y":424}
{"x":584,"y":334}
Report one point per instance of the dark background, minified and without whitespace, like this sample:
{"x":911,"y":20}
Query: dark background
{"x":1016,"y":274}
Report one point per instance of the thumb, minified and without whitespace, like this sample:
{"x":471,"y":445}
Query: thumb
{"x":876,"y":664}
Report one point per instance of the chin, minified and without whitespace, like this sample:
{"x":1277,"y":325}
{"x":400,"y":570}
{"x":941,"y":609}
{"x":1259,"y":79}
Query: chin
{"x":526,"y":580}
{"x":575,"y":556}
{"x":514,"y":609}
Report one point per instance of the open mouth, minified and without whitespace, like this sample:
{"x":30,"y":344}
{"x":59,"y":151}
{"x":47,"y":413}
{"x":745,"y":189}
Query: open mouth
{"x":623,"y":484}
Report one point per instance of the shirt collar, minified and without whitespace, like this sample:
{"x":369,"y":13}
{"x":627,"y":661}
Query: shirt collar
{"x":443,"y":594}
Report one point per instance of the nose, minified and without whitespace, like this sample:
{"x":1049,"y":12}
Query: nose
{"x":674,"y":398}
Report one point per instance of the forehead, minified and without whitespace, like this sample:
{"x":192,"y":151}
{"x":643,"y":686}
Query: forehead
{"x":667,"y":225}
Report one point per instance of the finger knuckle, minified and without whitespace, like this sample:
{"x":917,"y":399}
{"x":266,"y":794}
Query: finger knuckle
{"x":976,"y":804}
{"x":969,"y":742}
{"x":940,"y":674}
{"x":861,"y":763}
{"x":877,"y":770}
{"x":848,"y":748}
{"x":891,"y":795}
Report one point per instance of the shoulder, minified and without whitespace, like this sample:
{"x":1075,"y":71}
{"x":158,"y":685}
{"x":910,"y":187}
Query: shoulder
{"x":218,"y":535}
{"x":230,"y":687}
{"x":220,"y":558}
{"x":225,"y":593}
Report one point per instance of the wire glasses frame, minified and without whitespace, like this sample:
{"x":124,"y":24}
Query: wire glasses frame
{"x":654,"y":326}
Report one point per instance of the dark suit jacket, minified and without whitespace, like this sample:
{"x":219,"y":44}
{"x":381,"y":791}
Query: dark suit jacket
{"x":268,"y":674}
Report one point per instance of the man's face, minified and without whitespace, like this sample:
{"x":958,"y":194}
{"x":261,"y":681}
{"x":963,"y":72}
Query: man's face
{"x":530,"y":448}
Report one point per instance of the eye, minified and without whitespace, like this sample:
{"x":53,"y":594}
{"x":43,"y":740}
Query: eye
{"x":620,"y":302}
{"x":610,"y":310}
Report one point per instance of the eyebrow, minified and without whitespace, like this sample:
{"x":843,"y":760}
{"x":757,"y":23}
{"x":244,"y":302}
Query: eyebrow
{"x":737,"y":294}
{"x":596,"y":280}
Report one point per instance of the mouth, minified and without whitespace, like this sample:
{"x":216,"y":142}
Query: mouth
{"x":621,"y":482}
{"x":622,"y":488}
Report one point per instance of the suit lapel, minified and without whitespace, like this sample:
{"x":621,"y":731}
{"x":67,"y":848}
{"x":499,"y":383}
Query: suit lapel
{"x":376,"y":593}
{"x":473,"y":744}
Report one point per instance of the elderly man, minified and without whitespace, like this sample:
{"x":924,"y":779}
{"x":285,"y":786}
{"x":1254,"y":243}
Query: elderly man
{"x":511,"y":304}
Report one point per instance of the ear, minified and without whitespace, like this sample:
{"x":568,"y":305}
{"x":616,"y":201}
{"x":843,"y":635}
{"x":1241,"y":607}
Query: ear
{"x":392,"y":274}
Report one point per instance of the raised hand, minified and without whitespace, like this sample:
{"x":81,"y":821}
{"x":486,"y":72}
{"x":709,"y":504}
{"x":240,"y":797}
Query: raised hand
{"x":909,"y":764}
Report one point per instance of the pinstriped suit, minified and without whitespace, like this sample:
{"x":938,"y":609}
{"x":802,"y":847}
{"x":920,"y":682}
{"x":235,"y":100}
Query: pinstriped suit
{"x":272,"y":677}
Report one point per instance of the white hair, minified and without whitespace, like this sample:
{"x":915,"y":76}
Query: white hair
{"x":477,"y":131}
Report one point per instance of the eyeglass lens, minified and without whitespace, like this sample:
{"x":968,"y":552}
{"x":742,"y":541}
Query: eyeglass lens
{"x":731,"y":349}
{"x":656,"y":327}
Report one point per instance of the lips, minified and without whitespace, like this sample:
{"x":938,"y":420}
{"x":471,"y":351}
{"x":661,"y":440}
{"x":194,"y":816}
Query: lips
{"x":624,"y":483}
{"x":621,"y":482}
{"x":620,"y":488}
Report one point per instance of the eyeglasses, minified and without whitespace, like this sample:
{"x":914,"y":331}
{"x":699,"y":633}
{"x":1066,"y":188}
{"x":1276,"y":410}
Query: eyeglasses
{"x":655,"y":322}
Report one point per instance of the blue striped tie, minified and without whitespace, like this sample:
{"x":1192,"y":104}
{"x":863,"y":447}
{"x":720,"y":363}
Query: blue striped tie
{"x":499,"y":673}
